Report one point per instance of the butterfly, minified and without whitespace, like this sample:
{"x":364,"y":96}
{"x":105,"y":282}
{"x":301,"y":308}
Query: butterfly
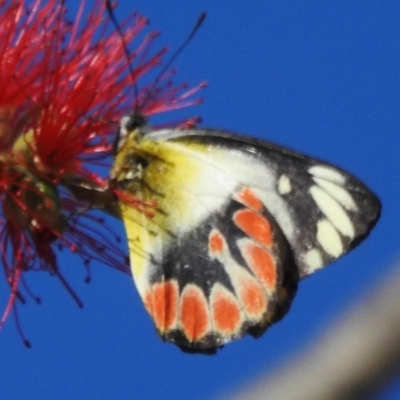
{"x":236,"y":223}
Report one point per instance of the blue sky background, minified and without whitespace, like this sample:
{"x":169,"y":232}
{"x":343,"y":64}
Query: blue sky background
{"x":320,"y":77}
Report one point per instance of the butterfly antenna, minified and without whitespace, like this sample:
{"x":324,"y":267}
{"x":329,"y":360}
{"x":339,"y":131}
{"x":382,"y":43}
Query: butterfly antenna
{"x":194,"y":30}
{"x":196,"y":27}
{"x":110,"y":11}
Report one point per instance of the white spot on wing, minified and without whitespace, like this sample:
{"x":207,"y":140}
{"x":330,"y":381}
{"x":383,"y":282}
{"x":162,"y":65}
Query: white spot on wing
{"x":328,"y":173}
{"x":284,"y":185}
{"x":313,"y":259}
{"x":333,"y":211}
{"x":337,"y":192}
{"x":329,"y":238}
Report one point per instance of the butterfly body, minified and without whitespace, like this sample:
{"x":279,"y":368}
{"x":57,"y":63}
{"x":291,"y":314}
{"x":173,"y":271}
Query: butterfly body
{"x":237,"y":222}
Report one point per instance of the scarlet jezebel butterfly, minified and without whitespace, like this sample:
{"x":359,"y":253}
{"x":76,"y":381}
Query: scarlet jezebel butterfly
{"x":237,"y":222}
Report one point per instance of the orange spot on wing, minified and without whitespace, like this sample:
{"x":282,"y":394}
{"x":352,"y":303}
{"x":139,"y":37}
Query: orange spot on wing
{"x":254,"y":225}
{"x":247,"y":197}
{"x":252,"y":297}
{"x":216,"y":242}
{"x":194,"y":316}
{"x":262,"y":263}
{"x":162,"y":304}
{"x":226,"y":311}
{"x":148,"y":302}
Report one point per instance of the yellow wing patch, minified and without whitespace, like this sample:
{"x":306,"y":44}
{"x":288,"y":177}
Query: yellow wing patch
{"x":178,"y":177}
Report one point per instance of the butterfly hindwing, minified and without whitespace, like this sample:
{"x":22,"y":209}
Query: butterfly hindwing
{"x":237,"y":222}
{"x":222,"y":279}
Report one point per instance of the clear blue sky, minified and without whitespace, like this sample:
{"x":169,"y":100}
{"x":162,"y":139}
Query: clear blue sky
{"x":320,"y":77}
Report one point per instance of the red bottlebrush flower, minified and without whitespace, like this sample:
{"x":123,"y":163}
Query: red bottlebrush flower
{"x":64,"y":84}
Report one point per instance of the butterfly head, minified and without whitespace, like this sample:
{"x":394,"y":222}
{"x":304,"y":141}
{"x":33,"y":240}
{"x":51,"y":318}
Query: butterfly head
{"x":127,"y":148}
{"x":130,"y":125}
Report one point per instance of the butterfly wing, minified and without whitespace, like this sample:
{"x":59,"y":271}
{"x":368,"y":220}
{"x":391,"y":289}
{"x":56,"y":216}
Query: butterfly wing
{"x":238,"y":221}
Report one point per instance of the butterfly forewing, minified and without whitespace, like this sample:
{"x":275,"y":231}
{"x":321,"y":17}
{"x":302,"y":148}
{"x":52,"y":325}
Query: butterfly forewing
{"x":323,"y":210}
{"x":238,"y":221}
